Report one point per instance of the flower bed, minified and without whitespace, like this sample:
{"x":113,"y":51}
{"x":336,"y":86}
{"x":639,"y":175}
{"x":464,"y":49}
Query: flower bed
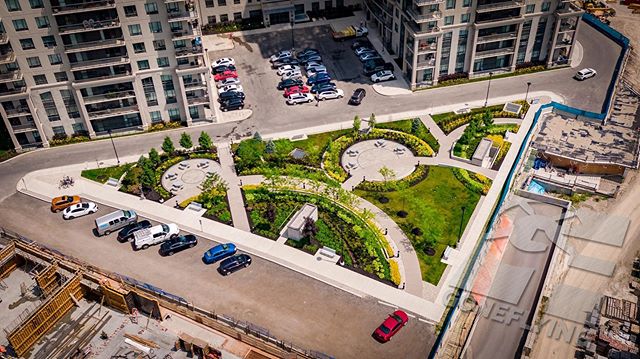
{"x":420,"y":173}
{"x":473,"y":181}
{"x":450,"y":121}
{"x":213,"y":198}
{"x":468,"y":143}
{"x":415,"y":127}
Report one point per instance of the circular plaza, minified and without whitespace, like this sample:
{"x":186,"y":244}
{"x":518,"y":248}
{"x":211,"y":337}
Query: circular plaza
{"x":366,"y":158}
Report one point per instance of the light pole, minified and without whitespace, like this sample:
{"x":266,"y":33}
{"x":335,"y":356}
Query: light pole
{"x":114,"y":147}
{"x":293,"y":42}
{"x":461,"y":221}
{"x":486,"y":100}
{"x":527,"y":95}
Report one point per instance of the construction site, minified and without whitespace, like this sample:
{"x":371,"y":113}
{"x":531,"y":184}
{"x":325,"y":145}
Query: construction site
{"x":53,"y":306}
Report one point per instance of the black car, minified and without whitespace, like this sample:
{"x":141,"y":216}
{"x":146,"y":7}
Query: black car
{"x":285,"y":61}
{"x":307,"y":51}
{"x":373,"y":63}
{"x":221,"y":69}
{"x":373,"y":69}
{"x":177,"y":244}
{"x":234,"y":263}
{"x":229,"y":95}
{"x":234,"y":103}
{"x":360,"y":43}
{"x":357,"y":96}
{"x":126,"y":233}
{"x":289,"y":83}
{"x":310,"y":58}
{"x":323,"y":87}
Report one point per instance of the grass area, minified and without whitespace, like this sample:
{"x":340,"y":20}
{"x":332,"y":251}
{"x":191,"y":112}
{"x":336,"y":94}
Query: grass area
{"x":102,"y":175}
{"x":422,"y":132}
{"x":434,"y":207}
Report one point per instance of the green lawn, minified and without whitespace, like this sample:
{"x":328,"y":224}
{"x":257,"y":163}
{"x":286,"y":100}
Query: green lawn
{"x":435,"y":207}
{"x":406,"y":126}
{"x":103,"y":174}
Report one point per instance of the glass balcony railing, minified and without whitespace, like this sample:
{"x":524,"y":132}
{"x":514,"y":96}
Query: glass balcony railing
{"x":21,"y":111}
{"x":427,"y":2}
{"x":108,"y":61}
{"x":24,"y":127}
{"x":83,"y":6}
{"x":109,"y":97}
{"x":198,"y":100}
{"x":113,"y":112}
{"x":14,"y":75}
{"x":189,"y":51}
{"x":425,"y":17}
{"x":89,"y":25}
{"x":8,"y":58}
{"x":499,"y":6}
{"x":182,"y":16}
{"x":92,"y":45}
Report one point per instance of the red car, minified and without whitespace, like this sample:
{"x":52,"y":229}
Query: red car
{"x":295,"y":89}
{"x":225,"y":75}
{"x":390,"y":326}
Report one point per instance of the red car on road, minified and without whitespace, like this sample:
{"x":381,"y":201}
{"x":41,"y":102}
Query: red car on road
{"x":225,"y":75}
{"x":295,"y":89}
{"x":390,"y":326}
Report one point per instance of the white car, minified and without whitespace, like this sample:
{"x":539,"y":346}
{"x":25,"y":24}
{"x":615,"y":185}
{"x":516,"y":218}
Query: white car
{"x":299,"y":98}
{"x":369,"y":56}
{"x":585,"y":74}
{"x":313,"y":64}
{"x":79,"y":210}
{"x":330,"y":94}
{"x":280,"y":55}
{"x":144,"y":238}
{"x":363,"y":50}
{"x":286,"y":68}
{"x":314,"y":70}
{"x":291,"y":75}
{"x":225,"y":61}
{"x":234,"y":88}
{"x":384,"y":75}
{"x":228,"y":81}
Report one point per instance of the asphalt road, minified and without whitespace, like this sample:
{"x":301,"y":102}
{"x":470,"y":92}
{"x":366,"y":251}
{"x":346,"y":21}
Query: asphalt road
{"x":290,"y":305}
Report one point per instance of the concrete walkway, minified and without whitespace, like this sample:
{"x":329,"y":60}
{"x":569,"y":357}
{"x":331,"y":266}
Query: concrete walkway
{"x":234,"y":194}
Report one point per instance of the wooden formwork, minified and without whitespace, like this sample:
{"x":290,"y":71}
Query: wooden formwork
{"x":48,"y":279}
{"x":115,"y":298}
{"x":8,"y":260}
{"x":46,"y":316}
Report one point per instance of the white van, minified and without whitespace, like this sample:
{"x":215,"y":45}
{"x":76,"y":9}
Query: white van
{"x":114,"y":221}
{"x":144,"y":238}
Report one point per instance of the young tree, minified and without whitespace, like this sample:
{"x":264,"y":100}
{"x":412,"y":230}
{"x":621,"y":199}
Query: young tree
{"x":257,"y":136}
{"x":372,"y":121}
{"x":415,"y":125}
{"x":185,"y":141}
{"x":154,"y":157}
{"x":357,"y":123}
{"x":309,"y":229}
{"x":387,"y":173}
{"x":167,"y":146}
{"x":270,"y":147}
{"x":147,"y":177}
{"x":205,"y":141}
{"x":487,"y":118}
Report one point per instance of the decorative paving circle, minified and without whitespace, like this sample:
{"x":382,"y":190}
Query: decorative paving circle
{"x":193,"y":176}
{"x":366,"y":158}
{"x":187,"y":175}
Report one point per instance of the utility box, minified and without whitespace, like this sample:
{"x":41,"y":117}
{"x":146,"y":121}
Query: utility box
{"x":295,"y":226}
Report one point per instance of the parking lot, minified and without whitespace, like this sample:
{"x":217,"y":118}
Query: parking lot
{"x":308,"y":313}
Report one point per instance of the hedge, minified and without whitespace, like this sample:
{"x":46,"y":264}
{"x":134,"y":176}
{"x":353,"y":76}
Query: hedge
{"x":164,"y":126}
{"x":454,"y":121}
{"x":417,"y":176}
{"x":473,"y":181}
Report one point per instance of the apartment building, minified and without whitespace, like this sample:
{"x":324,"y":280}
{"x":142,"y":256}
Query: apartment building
{"x":95,"y":67}
{"x":435,"y":38}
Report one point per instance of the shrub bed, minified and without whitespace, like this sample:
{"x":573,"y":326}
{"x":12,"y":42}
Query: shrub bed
{"x":450,"y":121}
{"x":415,"y":127}
{"x":473,"y":181}
{"x":161,"y":126}
{"x":420,"y":173}
{"x":102,"y":175}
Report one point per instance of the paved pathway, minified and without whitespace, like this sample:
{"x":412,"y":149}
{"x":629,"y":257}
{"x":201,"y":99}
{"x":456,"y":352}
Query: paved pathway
{"x":234,"y":194}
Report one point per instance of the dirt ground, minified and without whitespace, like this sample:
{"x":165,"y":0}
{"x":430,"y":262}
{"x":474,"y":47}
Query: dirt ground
{"x":627,"y":23}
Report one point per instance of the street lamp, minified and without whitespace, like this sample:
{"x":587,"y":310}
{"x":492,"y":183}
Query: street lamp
{"x":461,"y":221}
{"x":114,"y":147}
{"x":486,"y":100}
{"x":527,"y":95}
{"x":293,"y":42}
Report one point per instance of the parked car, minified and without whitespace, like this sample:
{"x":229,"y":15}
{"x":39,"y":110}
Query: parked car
{"x":234,"y":263}
{"x":236,"y":88}
{"x":285,"y":61}
{"x":299,"y":98}
{"x":358,"y":95}
{"x":220,"y":69}
{"x":62,"y":202}
{"x":126,"y":234}
{"x":384,"y":75}
{"x":144,"y":238}
{"x":313,"y":65}
{"x":330,"y":94}
{"x":369,"y":56}
{"x":324,"y":86}
{"x":228,"y":81}
{"x":292,"y":75}
{"x":377,"y":66}
{"x":363,"y":50}
{"x":295,"y":89}
{"x":289,"y":83}
{"x":280,"y":55}
{"x":287,"y":68}
{"x":310,"y":58}
{"x":225,"y":75}
{"x":361,"y":43}
{"x":307,"y":52}
{"x":225,"y":61}
{"x":219,"y":252}
{"x":315,"y":71}
{"x":585,"y":74}
{"x":177,"y":244}
{"x":115,"y":220}
{"x":231,"y":104}
{"x":390,"y":326}
{"x":79,"y":210}
{"x":319,"y":78}
{"x":229,"y":95}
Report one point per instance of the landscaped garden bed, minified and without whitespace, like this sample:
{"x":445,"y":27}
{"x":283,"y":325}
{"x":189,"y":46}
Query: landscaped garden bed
{"x":415,"y":127}
{"x":429,"y":212}
{"x":481,"y":126}
{"x":102,"y":175}
{"x":449,"y":121}
{"x":213,"y":198}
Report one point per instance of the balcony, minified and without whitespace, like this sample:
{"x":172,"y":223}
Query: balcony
{"x":183,"y":35}
{"x":108,"y":61}
{"x":94,"y":45}
{"x":109,"y":97}
{"x":426,"y":63}
{"x":499,"y":20}
{"x":427,"y":2}
{"x":24,"y":127}
{"x":194,"y":85}
{"x":499,"y":6}
{"x":182,"y":16}
{"x":189,"y":51}
{"x":14,"y":91}
{"x":198,"y":100}
{"x":84,"y":6}
{"x":196,"y":64}
{"x":113,"y":112}
{"x":8,"y":58}
{"x":4,"y":39}
{"x":16,"y":112}
{"x":497,"y":37}
{"x":431,"y":47}
{"x":421,"y":18}
{"x":114,"y":77}
{"x":495,"y":52}
{"x":14,"y":75}
{"x":89,"y":25}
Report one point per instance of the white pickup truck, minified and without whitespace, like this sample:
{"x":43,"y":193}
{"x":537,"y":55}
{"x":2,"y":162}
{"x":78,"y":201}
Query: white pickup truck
{"x":144,"y":238}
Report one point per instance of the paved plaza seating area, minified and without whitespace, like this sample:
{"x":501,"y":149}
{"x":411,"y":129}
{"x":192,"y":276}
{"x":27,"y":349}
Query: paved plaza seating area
{"x":366,"y":158}
{"x":188,"y":175}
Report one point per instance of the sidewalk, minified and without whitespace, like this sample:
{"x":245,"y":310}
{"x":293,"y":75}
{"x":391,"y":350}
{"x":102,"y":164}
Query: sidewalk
{"x":234,"y":194}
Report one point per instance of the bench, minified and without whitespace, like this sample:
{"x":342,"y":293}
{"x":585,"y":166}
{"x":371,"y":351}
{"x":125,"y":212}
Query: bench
{"x":327,"y":252}
{"x":112,"y":182}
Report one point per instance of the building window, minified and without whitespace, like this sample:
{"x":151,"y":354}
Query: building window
{"x":211,"y":19}
{"x":546,"y":6}
{"x":135,"y":30}
{"x":175,"y":26}
{"x":34,"y":61}
{"x":451,"y":4}
{"x":237,"y":2}
{"x":193,"y":112}
{"x":448,"y":20}
{"x":224,"y":18}
{"x":222,"y":2}
{"x":49,"y":41}
{"x":151,"y":8}
{"x":237,"y":16}
{"x":156,"y":116}
{"x":155,"y":27}
{"x":36,"y":4}
{"x":13,"y":5}
{"x":466,"y":3}
{"x":530,"y":8}
{"x":159,"y":45}
{"x":58,"y":130}
{"x":78,"y":128}
{"x":61,"y":76}
{"x":55,"y":59}
{"x":163,"y":62}
{"x":464,"y":18}
{"x":130,"y":11}
{"x":209,"y":3}
{"x":42,"y":22}
{"x":143,"y":65}
{"x":40,"y":79}
{"x":138,"y":47}
{"x":174,"y":114}
{"x":27,"y":44}
{"x":20,"y":25}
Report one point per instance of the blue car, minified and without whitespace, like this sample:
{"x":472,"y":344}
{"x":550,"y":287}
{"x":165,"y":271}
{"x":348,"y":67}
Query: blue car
{"x":323,"y":87}
{"x":319,"y":78}
{"x":221,"y":251}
